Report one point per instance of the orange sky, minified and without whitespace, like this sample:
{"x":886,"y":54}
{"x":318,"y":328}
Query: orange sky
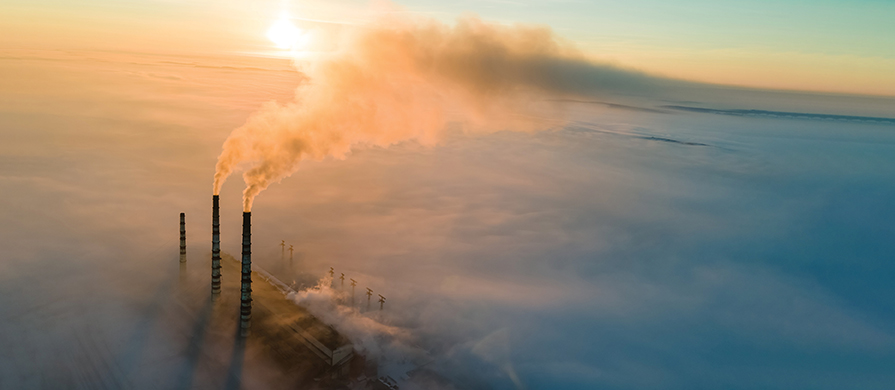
{"x":706,"y":52}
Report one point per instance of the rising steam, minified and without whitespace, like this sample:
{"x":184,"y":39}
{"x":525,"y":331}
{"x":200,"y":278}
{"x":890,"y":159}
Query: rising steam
{"x":402,"y":80}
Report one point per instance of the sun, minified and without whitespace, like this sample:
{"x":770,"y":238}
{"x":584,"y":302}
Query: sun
{"x":284,"y":34}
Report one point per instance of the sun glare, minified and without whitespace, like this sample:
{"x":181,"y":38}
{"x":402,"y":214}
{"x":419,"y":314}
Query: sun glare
{"x":284,"y":34}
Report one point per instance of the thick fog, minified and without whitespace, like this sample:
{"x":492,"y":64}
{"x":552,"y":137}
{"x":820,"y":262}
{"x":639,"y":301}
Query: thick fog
{"x":638,"y":246}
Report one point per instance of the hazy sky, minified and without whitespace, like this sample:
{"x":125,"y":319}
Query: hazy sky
{"x":840,"y":46}
{"x":640,"y":244}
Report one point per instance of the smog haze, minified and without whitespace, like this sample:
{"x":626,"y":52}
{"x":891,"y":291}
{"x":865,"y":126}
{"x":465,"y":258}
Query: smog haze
{"x":547,"y":195}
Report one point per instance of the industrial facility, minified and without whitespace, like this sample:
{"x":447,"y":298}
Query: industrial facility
{"x":270,"y":326}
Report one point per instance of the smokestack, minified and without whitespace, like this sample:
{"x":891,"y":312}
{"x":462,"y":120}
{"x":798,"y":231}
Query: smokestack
{"x":215,"y":245}
{"x":182,"y":237}
{"x":245,"y":306}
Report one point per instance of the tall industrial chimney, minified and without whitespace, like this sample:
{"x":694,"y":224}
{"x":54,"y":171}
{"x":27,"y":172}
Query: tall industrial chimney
{"x":215,"y":245}
{"x":182,"y":237}
{"x":245,"y":306}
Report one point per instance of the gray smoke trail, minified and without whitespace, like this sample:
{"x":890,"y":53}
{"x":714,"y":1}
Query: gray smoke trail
{"x":401,"y":80}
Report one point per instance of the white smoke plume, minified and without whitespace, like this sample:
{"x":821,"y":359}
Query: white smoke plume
{"x":401,"y":80}
{"x":392,"y":346}
{"x":408,"y":337}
